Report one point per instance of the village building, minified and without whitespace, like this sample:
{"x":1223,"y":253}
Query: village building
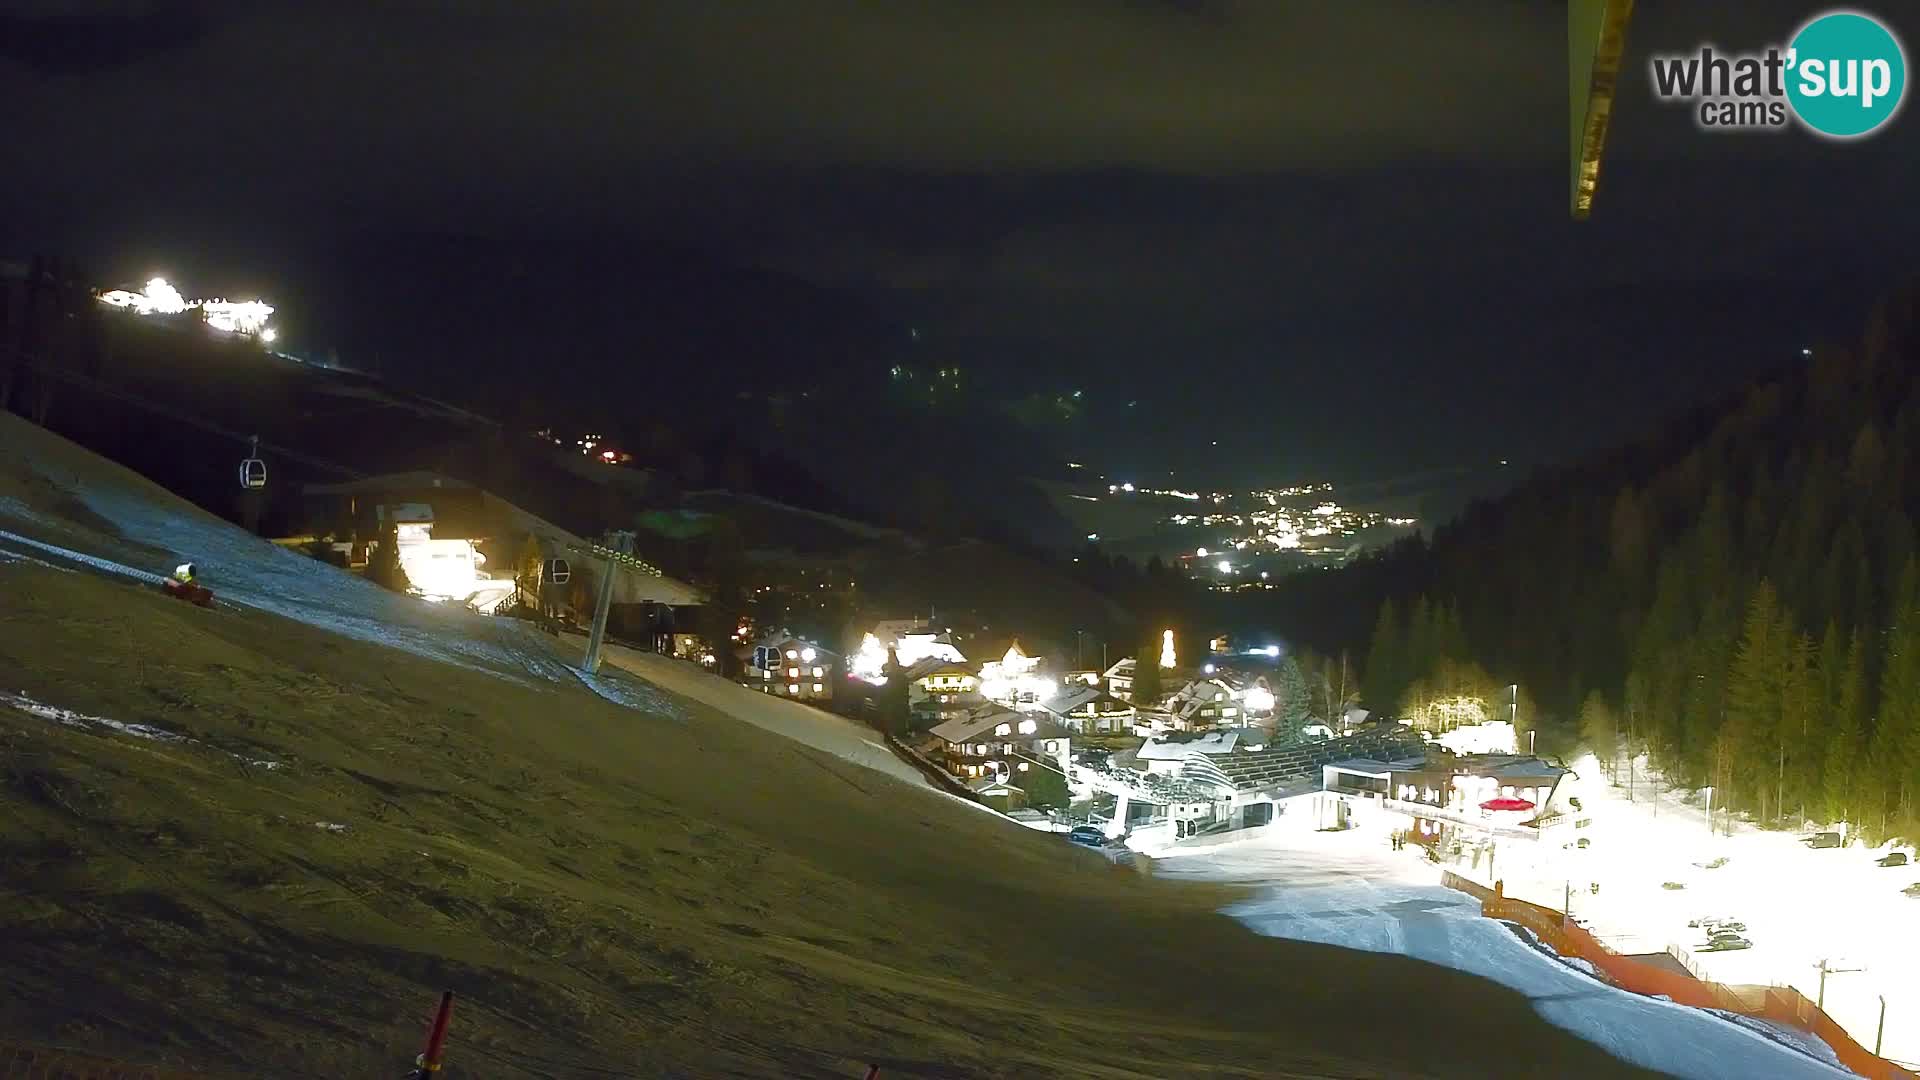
{"x":1088,"y":710}
{"x":791,"y":667}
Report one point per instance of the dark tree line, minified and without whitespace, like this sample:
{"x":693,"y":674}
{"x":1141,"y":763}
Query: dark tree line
{"x":1738,"y":596}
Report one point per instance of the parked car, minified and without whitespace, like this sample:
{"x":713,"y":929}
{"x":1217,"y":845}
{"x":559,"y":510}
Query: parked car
{"x":1822,"y":840}
{"x":1715,"y":927}
{"x":1892,"y":858}
{"x":1715,"y":864}
{"x":1087,"y":836}
{"x":1912,"y":890}
{"x":1730,"y":943}
{"x":1673,"y":886}
{"x":1707,"y":920}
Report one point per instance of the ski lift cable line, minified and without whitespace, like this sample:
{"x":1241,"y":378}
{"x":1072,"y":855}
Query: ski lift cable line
{"x":187,"y":418}
{"x":596,"y":551}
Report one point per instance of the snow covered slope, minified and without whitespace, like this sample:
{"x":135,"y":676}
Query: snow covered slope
{"x":822,"y":731}
{"x":1800,"y":905}
{"x":139,"y":531}
{"x":123,"y":523}
{"x":1349,"y":889}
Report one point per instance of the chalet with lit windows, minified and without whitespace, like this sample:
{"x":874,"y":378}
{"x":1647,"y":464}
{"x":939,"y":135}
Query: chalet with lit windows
{"x":939,"y":690}
{"x":1205,"y":703}
{"x":791,"y":667}
{"x":995,"y":741}
{"x":1119,"y":679}
{"x":1085,"y":710}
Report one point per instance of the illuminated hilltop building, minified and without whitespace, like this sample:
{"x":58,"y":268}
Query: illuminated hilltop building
{"x":247,"y":317}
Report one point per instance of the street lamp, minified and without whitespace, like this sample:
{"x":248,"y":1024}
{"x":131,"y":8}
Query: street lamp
{"x":1821,"y":1001}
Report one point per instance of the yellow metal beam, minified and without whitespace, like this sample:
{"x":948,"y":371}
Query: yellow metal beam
{"x":1596,"y":38}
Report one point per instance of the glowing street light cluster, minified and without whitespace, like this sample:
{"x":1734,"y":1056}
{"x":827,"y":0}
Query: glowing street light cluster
{"x":248,"y":317}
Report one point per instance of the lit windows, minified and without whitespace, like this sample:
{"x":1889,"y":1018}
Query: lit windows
{"x":818,"y":672}
{"x":807,"y":655}
{"x":792,"y":655}
{"x":793,"y":673}
{"x":817,"y":688}
{"x":793,"y":688}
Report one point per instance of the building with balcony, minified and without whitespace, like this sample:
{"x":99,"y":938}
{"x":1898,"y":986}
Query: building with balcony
{"x":994,"y":740}
{"x":791,"y":667}
{"x":1209,"y":702}
{"x":939,"y":690}
{"x":1086,"y":710}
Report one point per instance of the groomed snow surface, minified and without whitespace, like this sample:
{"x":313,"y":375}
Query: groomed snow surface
{"x":1351,"y":889}
{"x":1800,"y":905}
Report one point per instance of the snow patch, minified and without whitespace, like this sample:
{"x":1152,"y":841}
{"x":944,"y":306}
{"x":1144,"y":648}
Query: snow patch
{"x":21,"y":702}
{"x":15,"y":557}
{"x":1804,"y":1041}
{"x":630,"y":694}
{"x":94,"y":561}
{"x":1577,"y":963}
{"x":330,"y":826}
{"x":69,"y":718}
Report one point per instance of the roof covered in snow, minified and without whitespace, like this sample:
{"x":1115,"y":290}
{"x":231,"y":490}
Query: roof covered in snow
{"x":1214,"y":742}
{"x":929,"y":666}
{"x":1086,"y":695}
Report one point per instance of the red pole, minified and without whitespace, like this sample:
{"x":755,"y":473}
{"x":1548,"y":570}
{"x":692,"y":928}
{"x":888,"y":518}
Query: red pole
{"x":436,"y":1038}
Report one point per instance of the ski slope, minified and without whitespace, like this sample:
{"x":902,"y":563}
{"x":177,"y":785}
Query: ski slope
{"x":1350,"y":889}
{"x":1800,"y":905}
{"x":157,"y":530}
{"x":802,"y":723}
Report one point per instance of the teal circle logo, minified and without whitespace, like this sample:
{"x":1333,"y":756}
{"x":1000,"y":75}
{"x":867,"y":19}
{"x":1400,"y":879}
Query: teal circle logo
{"x":1846,"y":74}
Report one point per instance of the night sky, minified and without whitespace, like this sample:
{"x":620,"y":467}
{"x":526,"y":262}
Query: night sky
{"x":1333,"y":236}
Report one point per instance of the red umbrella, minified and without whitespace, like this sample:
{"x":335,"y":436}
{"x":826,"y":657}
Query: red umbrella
{"x":1506,"y":804}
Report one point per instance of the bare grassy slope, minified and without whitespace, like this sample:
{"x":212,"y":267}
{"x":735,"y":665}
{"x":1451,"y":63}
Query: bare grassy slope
{"x":613,"y":892}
